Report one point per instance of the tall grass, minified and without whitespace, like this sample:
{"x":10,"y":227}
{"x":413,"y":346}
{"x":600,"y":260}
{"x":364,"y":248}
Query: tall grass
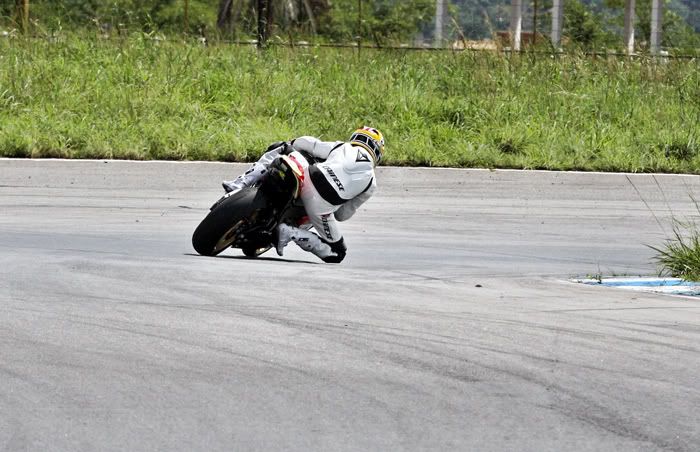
{"x":680,"y":255}
{"x":139,"y":98}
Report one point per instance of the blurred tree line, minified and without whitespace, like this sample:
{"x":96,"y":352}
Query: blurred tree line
{"x":335,"y":20}
{"x":588,"y":24}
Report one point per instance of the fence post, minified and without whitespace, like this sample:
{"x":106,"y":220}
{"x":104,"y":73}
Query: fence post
{"x":187,"y":16}
{"x":23,"y":13}
{"x":439,"y":22}
{"x":629,"y":27}
{"x":534,"y":23}
{"x":657,"y":18}
{"x":557,"y":17}
{"x":516,"y":24}
{"x":263,"y":9}
{"x":359,"y":25}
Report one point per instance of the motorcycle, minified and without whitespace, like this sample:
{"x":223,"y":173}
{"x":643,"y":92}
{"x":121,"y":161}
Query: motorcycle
{"x":247,"y":218}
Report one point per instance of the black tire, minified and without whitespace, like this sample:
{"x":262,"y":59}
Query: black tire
{"x":218,"y":229}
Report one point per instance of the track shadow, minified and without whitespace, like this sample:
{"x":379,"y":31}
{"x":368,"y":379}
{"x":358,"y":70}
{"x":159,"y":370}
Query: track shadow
{"x":245,"y":258}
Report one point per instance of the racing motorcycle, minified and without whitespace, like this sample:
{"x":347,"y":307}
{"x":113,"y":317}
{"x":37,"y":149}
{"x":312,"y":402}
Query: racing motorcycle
{"x":247,"y":218}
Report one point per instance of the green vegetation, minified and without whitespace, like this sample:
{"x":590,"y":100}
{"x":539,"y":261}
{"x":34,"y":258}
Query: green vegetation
{"x":383,"y":21}
{"x":137,"y":97}
{"x":680,"y":255}
{"x":588,"y":24}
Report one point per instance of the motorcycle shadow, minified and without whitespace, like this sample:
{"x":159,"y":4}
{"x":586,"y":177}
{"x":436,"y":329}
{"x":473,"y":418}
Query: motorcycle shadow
{"x":259,"y":258}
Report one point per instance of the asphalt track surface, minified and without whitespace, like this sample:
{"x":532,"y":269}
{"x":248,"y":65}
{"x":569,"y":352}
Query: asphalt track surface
{"x":450,"y":326}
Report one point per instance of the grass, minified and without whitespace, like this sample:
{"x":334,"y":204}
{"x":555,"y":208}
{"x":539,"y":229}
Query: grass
{"x":80,"y":96}
{"x":680,"y":255}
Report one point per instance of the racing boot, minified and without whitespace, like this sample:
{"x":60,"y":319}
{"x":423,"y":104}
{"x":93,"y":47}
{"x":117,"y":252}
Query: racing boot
{"x":257,"y":171}
{"x":308,"y":241}
{"x":249,"y":178}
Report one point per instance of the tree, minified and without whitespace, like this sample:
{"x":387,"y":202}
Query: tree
{"x":381,"y":20}
{"x":581,"y":26}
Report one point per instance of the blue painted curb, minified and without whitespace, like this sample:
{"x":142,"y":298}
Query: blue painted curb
{"x":662,"y":282}
{"x":674,"y":286}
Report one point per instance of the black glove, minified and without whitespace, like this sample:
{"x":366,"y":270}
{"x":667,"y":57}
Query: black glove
{"x":286,"y":147}
{"x":339,"y":249}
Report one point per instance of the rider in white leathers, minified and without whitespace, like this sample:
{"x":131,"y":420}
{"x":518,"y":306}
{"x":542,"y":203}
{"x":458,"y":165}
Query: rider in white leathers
{"x":334,"y":187}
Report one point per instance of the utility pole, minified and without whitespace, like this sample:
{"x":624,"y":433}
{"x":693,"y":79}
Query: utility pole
{"x":657,"y":15}
{"x":439,"y":22}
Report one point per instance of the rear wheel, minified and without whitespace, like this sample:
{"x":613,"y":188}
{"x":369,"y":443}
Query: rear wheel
{"x":220,"y":228}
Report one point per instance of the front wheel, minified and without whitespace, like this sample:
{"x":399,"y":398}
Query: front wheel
{"x":220,"y":228}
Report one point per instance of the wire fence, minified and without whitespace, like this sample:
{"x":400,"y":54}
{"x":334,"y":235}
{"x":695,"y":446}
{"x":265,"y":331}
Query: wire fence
{"x":458,"y":25}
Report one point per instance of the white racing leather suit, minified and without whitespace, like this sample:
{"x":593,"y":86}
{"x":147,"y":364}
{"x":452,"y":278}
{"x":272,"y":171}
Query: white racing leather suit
{"x":334,"y":188}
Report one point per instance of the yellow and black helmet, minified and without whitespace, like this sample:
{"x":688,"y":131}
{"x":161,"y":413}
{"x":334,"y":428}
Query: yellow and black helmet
{"x":370,"y":139}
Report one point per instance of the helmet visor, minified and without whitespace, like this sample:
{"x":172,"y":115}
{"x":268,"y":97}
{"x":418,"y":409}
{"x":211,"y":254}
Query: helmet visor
{"x":370,"y":142}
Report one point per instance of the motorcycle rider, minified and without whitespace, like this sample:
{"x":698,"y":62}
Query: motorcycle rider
{"x":339,"y":181}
